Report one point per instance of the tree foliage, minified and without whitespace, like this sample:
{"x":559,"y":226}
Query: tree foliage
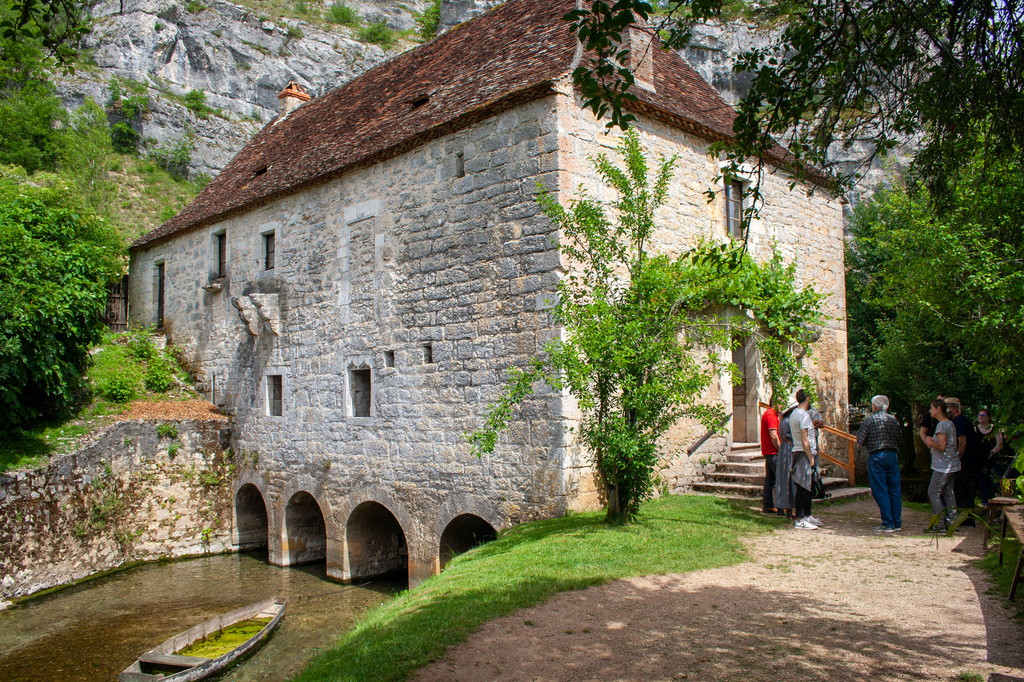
{"x":644,"y":331}
{"x":935,"y":295}
{"x":55,"y":25}
{"x":30,"y":112}
{"x":844,"y":72}
{"x":56,"y":262}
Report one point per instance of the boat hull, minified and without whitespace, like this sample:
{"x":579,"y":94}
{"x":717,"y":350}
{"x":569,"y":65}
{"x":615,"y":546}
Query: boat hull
{"x":194,"y":668}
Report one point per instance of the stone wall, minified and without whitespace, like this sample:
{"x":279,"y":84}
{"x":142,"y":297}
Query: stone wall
{"x":428,"y":273}
{"x":130,"y":495}
{"x":804,"y":227}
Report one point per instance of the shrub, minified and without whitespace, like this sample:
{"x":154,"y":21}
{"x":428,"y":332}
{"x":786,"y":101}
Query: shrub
{"x":294,"y":33}
{"x":429,"y":20}
{"x":377,"y":33}
{"x":194,"y":7}
{"x":166,"y":431}
{"x":158,"y":377}
{"x":195,"y":101}
{"x":340,"y":13}
{"x":56,"y":261}
{"x":119,"y":387}
{"x":175,"y":156}
{"x":140,"y":343}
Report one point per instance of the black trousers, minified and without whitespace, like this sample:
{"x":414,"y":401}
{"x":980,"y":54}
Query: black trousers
{"x":802,"y":502}
{"x":768,"y":491}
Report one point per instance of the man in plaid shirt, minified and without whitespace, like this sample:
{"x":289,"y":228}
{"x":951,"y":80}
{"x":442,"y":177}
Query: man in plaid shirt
{"x":880,"y":436}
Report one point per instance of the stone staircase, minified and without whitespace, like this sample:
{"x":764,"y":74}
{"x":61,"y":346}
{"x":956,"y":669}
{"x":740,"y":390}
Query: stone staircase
{"x":741,"y":474}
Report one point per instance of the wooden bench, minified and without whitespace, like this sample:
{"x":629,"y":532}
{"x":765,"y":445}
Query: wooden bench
{"x":1014,"y":518}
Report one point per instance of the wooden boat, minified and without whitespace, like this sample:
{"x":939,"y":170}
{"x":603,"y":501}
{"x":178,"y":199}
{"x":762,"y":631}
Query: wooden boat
{"x":166,"y":664}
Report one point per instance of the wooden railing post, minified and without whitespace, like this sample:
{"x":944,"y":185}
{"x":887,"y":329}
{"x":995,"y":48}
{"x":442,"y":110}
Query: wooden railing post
{"x":851,"y":458}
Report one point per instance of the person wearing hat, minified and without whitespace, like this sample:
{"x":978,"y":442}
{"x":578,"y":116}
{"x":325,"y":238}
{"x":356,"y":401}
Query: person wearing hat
{"x":966,"y":481}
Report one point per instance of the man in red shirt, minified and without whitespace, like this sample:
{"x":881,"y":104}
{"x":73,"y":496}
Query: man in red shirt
{"x":769,"y":450}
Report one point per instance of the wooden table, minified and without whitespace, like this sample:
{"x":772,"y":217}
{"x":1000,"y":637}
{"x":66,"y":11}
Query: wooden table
{"x":1014,"y":517}
{"x":995,"y":504}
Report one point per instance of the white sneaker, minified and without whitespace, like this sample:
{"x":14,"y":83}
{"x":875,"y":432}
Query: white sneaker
{"x":814,"y":520}
{"x":802,"y":524}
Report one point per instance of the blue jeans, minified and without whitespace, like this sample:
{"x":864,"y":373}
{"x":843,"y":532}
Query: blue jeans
{"x":884,"y":472}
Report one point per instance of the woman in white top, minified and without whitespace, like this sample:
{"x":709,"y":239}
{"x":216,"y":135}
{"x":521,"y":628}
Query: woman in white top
{"x":945,"y":464}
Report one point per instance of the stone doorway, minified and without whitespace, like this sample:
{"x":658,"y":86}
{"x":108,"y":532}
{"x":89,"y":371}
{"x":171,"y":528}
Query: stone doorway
{"x":744,"y":393}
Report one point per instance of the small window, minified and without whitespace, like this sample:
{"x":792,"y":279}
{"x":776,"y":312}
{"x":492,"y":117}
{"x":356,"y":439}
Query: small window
{"x":260,"y":171}
{"x":275,"y":394}
{"x":419,"y":101}
{"x":734,"y":208}
{"x":360,"y":385}
{"x":269,"y":250}
{"x":428,"y":354}
{"x":160,"y":286}
{"x":460,"y":165}
{"x":389,"y":358}
{"x":221,"y":244}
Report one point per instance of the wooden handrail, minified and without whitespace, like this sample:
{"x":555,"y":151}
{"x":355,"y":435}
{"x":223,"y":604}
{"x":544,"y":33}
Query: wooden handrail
{"x":851,"y":449}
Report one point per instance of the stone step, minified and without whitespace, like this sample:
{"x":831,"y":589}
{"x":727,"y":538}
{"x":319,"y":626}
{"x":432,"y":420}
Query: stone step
{"x":732,"y":477}
{"x":740,"y":467}
{"x":744,"y":456}
{"x":736,"y":489}
{"x":743,"y":447}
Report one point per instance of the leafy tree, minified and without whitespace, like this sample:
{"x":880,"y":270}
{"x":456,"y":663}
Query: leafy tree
{"x":86,"y":156}
{"x":56,"y":262}
{"x":935,"y":295}
{"x":30,"y":112}
{"x":642,"y":329}
{"x":841,"y":72}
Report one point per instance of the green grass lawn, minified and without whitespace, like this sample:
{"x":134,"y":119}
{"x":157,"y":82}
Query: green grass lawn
{"x":125,"y":367}
{"x":1002,"y":575}
{"x":525,"y":566}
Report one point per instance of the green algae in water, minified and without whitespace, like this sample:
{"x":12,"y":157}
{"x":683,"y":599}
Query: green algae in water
{"x":223,"y":641}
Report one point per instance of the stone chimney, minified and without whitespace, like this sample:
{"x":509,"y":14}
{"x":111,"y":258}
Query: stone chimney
{"x":642,"y":44}
{"x":292,"y":96}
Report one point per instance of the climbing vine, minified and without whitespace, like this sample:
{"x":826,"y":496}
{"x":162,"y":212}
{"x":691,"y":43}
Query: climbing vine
{"x":646,"y":333}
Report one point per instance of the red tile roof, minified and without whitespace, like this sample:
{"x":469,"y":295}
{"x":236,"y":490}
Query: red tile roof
{"x":509,"y":55}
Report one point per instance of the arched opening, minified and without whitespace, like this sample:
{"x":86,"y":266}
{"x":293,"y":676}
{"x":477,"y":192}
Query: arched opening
{"x":376,"y":543}
{"x":305,"y":531}
{"x":462,"y":534}
{"x":250,"y":519}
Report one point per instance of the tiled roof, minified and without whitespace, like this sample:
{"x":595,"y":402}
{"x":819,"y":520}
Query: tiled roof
{"x":511,"y":54}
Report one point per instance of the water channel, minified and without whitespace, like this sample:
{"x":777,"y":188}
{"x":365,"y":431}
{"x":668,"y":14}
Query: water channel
{"x":95,"y":630}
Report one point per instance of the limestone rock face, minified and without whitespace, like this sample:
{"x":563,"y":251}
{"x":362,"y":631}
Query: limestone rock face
{"x":239,"y":60}
{"x":456,"y":11}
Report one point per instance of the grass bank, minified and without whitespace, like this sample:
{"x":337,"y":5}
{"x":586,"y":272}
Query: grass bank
{"x":123,"y":368}
{"x":525,"y":566}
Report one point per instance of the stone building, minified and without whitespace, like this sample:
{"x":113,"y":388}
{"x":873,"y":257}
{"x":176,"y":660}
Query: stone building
{"x":354,"y":286}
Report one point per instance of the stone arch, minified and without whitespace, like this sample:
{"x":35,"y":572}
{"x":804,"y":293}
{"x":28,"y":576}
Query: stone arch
{"x":305,"y":530}
{"x":376,"y":542}
{"x":251,"y":519}
{"x":462,"y":534}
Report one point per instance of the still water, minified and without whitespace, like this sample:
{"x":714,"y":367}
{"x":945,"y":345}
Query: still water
{"x":94,"y":631}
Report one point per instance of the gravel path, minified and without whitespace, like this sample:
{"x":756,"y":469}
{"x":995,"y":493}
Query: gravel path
{"x":839,"y":602}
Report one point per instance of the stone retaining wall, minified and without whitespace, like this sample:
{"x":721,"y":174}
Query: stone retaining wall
{"x":130,"y":495}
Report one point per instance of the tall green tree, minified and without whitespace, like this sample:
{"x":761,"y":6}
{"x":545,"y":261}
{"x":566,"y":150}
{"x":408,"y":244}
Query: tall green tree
{"x":86,"y":155}
{"x":644,"y":331}
{"x":936,"y":294}
{"x":56,"y":262}
{"x":31,"y":114}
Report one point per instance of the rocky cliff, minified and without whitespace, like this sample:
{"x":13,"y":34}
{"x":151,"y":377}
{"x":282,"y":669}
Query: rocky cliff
{"x":238,"y":59}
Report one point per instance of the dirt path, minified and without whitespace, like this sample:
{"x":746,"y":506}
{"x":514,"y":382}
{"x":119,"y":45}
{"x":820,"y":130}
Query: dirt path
{"x":839,"y":603}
